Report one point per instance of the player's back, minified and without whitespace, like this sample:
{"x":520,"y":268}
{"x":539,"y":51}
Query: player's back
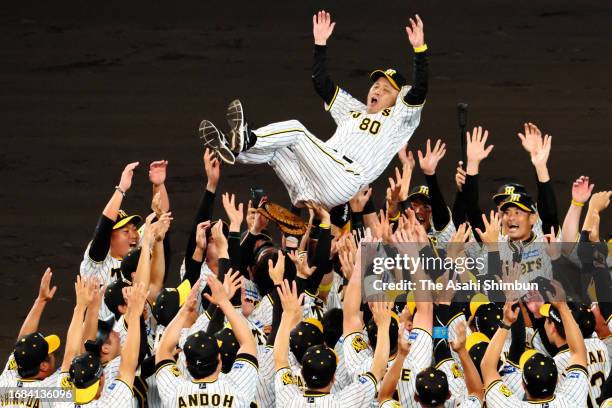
{"x":17,"y":392}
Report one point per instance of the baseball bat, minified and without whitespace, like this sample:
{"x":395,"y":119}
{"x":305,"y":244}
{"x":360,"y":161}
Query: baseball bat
{"x":462,"y":109}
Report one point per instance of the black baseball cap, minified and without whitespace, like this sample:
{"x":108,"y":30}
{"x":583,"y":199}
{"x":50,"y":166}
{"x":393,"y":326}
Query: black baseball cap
{"x":332,"y":326}
{"x":201,"y":353}
{"x":169,"y":301}
{"x":123,"y":219}
{"x":421,"y":192}
{"x":397,"y":80}
{"x":476,"y":344}
{"x":340,"y":215}
{"x":105,"y":326}
{"x":522,"y":201}
{"x":307,"y":333}
{"x":129,"y":264}
{"x":372,"y":331}
{"x":85,"y":372}
{"x":113,"y":296}
{"x":506,"y":190}
{"x":228,"y":348}
{"x":319,"y":366}
{"x":31,"y":350}
{"x":583,"y":315}
{"x":487,"y":315}
{"x":432,"y":386}
{"x":539,"y":373}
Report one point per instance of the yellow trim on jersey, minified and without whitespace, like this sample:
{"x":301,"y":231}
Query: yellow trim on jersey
{"x":371,"y":376}
{"x":167,"y":364}
{"x":443,"y":361}
{"x":203,"y":381}
{"x":453,"y":318}
{"x":284,"y":368}
{"x":329,"y":106}
{"x":542,"y":401}
{"x":128,"y":385}
{"x":354,"y":332}
{"x":423,"y":330}
{"x":491,"y":386}
{"x":310,"y":294}
{"x":413,"y":106}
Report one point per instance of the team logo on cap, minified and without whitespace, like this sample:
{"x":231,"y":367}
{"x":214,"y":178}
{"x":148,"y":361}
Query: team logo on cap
{"x":390,"y":71}
{"x":424,"y":190}
{"x":514,"y":197}
{"x":509,"y":190}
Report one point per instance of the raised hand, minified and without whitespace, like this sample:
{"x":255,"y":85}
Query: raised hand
{"x":135,"y":297}
{"x":232,"y":281}
{"x":301,"y":264}
{"x":406,"y":157}
{"x":201,"y":234}
{"x":460,"y":176}
{"x":157,"y":172}
{"x":510,"y":312}
{"x":581,"y":189}
{"x":46,"y":292}
{"x":291,"y":302}
{"x":600,"y":201}
{"x":529,"y":138}
{"x":553,"y":246}
{"x":218,"y":294}
{"x":234,"y":213}
{"x":277,"y":271}
{"x":359,"y":201}
{"x":381,"y":313}
{"x":415,"y":32}
{"x":212,"y":167}
{"x":156,"y":204}
{"x":476,"y":141}
{"x":84,"y":292}
{"x":322,"y":27}
{"x":430,"y":160}
{"x":126,"y":177}
{"x":457,"y":242}
{"x":219,"y":238}
{"x":492,"y":225}
{"x":541,"y":152}
{"x":162,"y":226}
{"x":460,"y":335}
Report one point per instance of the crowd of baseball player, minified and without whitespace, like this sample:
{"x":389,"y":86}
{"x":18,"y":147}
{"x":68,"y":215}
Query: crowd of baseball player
{"x":263,"y":317}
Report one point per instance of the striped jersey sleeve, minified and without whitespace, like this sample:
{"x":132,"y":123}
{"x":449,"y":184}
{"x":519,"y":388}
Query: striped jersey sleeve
{"x":342,"y":104}
{"x":285,"y":387}
{"x":498,"y":395}
{"x":360,"y":393}
{"x":242,"y":376}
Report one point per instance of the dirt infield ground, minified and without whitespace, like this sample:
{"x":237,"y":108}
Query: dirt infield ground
{"x":90,"y":86}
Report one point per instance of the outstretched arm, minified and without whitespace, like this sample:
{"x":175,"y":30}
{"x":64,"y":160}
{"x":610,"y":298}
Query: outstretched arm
{"x":45,"y":294}
{"x":322,"y":28}
{"x":418,"y":92}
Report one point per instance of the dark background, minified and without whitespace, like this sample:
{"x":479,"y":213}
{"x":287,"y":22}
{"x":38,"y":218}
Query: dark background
{"x":86,"y":87}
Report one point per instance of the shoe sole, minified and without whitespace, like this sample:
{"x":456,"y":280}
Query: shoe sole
{"x":212,"y":138}
{"x":235,"y":119}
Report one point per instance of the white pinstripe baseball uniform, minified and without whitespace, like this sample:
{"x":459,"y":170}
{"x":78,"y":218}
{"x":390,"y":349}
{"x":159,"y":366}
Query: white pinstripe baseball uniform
{"x":571,"y":394}
{"x":358,"y":394}
{"x":115,"y":394}
{"x":235,"y":389}
{"x":332,"y":172}
{"x":101,"y":270}
{"x":10,"y":380}
{"x":456,"y":382}
{"x":265,"y":396}
{"x":598,"y":366}
{"x":535,"y":261}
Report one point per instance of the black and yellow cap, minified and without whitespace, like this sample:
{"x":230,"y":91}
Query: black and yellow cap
{"x":582,"y":313}
{"x":85,"y":372}
{"x":539,"y":373}
{"x":31,"y":350}
{"x":487,"y":315}
{"x":506,"y":190}
{"x":169,"y":301}
{"x":201,"y":350}
{"x":372,"y":331}
{"x":308,"y":333}
{"x":396,"y":79}
{"x":129,"y":264}
{"x":340,"y":215}
{"x":432,"y":386}
{"x":228,"y":348}
{"x":522,"y":201}
{"x":113,"y":296}
{"x":319,"y":366}
{"x":123,"y":219}
{"x":421,"y":191}
{"x":476,"y":344}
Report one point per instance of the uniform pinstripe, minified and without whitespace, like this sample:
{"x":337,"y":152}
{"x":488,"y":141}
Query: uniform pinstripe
{"x":265,"y":395}
{"x":598,"y":366}
{"x":456,"y":381}
{"x":235,"y":389}
{"x":572,"y":393}
{"x":512,"y":376}
{"x":10,"y":379}
{"x":313,"y":170}
{"x":100,"y":270}
{"x":535,"y":262}
{"x":358,"y":394}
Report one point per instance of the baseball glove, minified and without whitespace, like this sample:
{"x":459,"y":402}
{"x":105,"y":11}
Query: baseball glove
{"x":287,"y":222}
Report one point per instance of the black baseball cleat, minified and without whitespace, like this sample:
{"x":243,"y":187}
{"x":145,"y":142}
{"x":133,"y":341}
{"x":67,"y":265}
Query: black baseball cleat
{"x":239,"y":135}
{"x":215,"y":140}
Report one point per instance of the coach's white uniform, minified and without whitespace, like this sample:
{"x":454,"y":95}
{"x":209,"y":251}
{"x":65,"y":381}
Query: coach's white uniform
{"x":235,"y":389}
{"x":10,"y":382}
{"x":332,"y":172}
{"x":115,"y":394}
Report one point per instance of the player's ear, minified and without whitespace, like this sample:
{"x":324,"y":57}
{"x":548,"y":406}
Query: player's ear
{"x":533,"y":218}
{"x":416,"y":398}
{"x":105,"y":348}
{"x":448,"y":395}
{"x":122,"y":309}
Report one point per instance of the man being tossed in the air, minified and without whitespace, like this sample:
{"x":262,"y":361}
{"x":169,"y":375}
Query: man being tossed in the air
{"x":367,"y":137}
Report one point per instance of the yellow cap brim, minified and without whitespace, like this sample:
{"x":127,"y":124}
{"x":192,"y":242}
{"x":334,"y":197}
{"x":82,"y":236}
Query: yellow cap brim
{"x":478,"y":300}
{"x":545,"y":310}
{"x":132,"y":218}
{"x":376,"y":73}
{"x":475,"y":338}
{"x":525,"y":357}
{"x":183,"y":290}
{"x":54,"y":342}
{"x":86,"y":395}
{"x":410,"y":303}
{"x":315,"y":323}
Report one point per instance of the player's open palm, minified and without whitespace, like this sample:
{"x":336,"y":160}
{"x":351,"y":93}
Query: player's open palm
{"x":429,"y":161}
{"x":541,"y":151}
{"x":476,"y":145}
{"x":291,"y":302}
{"x":157,"y":172}
{"x":530,"y":137}
{"x":492,"y":225}
{"x":581,"y":189}
{"x":212,"y":167}
{"x":126,"y":176}
{"x":135,"y":297}
{"x":45,"y":293}
{"x":322,"y":27}
{"x":234,"y":213}
{"x":277,"y":270}
{"x":460,"y":337}
{"x":600,"y":201}
{"x":232,"y":281}
{"x":416,"y":34}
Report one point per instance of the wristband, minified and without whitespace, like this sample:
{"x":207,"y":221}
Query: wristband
{"x":120,"y":190}
{"x":326,"y":288}
{"x":397,"y":217}
{"x":422,"y":48}
{"x":503,"y":325}
{"x":324,"y":226}
{"x":577,"y":204}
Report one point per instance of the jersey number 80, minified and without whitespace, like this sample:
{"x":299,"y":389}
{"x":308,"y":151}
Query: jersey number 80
{"x":372,"y":126}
